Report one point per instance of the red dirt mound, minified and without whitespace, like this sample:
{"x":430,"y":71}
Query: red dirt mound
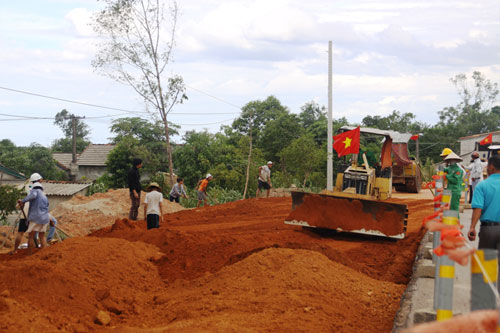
{"x":276,"y":290}
{"x":230,"y":267}
{"x":63,"y":286}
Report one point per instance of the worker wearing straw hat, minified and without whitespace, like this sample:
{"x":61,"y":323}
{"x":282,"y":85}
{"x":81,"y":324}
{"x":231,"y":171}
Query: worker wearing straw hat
{"x":153,"y":212}
{"x":454,"y":176}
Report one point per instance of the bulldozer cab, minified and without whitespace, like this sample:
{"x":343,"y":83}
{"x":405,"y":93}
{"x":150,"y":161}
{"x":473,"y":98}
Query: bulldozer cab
{"x":375,"y":180}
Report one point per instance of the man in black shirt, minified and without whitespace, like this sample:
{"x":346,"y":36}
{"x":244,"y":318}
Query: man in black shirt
{"x":134,"y":185}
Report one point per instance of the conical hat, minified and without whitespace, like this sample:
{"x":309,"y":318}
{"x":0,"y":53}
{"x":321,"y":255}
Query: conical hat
{"x":453,"y":156}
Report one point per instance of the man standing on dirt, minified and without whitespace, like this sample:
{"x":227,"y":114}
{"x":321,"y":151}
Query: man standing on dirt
{"x":486,"y":208}
{"x":38,"y":214}
{"x":264,"y":179}
{"x":202,"y":190}
{"x":134,"y":185}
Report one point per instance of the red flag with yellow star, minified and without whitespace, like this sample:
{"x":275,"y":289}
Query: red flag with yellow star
{"x":347,"y":142}
{"x":487,"y":140}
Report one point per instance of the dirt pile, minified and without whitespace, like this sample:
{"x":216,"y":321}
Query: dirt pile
{"x":229,"y":267}
{"x":82,"y":215}
{"x":65,"y":285}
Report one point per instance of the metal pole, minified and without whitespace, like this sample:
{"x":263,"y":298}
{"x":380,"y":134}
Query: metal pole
{"x":482,"y":297}
{"x":329,"y":166}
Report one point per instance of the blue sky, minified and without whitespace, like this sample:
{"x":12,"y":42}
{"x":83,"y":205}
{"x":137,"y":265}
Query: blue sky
{"x":388,"y":55}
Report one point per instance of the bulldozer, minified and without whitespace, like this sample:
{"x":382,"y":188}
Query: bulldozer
{"x":359,"y":202}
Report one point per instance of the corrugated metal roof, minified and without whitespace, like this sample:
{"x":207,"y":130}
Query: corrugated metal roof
{"x":95,"y":155}
{"x":63,"y":188}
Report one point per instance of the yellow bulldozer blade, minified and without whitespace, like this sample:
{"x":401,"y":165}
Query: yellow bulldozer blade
{"x":348,"y":214}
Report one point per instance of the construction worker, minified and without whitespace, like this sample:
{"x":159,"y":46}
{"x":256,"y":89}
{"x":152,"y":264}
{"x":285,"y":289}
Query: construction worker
{"x":264,"y":179}
{"x":476,"y":172}
{"x":202,"y":190}
{"x":455,"y":179}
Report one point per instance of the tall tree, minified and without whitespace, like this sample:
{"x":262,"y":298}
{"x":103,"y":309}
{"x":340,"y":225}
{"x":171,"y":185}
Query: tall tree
{"x":64,"y":120}
{"x":137,"y":47}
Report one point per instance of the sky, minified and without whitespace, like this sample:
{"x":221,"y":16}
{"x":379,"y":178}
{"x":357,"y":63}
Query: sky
{"x":387,"y":55}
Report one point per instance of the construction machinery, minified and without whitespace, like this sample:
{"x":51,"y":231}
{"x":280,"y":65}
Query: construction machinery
{"x":359,"y":202}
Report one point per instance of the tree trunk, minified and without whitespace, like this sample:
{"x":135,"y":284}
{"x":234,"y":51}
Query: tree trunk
{"x":169,"y":152}
{"x":249,"y":162}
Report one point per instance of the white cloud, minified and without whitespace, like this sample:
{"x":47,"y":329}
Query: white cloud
{"x":80,"y":18}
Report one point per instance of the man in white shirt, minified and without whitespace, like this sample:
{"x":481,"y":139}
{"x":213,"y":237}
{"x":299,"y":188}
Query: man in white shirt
{"x":153,"y":212}
{"x":264,"y":179}
{"x":476,"y":173}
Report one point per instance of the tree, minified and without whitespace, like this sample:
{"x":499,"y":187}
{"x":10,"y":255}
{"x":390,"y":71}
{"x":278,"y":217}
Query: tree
{"x":8,"y":200}
{"x":135,"y":52}
{"x":278,"y":134}
{"x":479,"y":94}
{"x":396,"y":121}
{"x":303,"y":157}
{"x":27,"y":160}
{"x":65,"y":145}
{"x":310,"y":113}
{"x":120,"y":159}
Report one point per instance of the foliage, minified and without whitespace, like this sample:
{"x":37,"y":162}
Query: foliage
{"x":137,"y":47}
{"x":27,"y":160}
{"x":65,"y":145}
{"x":100,"y":185}
{"x":120,"y":161}
{"x":216,"y":195}
{"x":302,"y":157}
{"x":8,"y":200}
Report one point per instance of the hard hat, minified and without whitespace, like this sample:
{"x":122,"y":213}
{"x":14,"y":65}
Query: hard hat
{"x":35,"y":177}
{"x":37,"y":184}
{"x":270,"y":162}
{"x":475,"y":154}
{"x":446,"y":152}
{"x":208,"y":175}
{"x":453,"y":157}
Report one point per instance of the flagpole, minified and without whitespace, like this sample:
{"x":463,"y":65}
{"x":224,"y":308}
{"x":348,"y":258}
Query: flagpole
{"x":329,"y":165}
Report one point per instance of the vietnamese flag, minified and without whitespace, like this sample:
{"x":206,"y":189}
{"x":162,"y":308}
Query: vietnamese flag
{"x":487,"y":140}
{"x":347,"y":142}
{"x":414,"y":137}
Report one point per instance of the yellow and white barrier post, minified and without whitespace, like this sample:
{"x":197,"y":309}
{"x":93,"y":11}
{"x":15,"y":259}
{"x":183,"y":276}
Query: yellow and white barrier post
{"x":445,"y":275}
{"x":482,"y":296}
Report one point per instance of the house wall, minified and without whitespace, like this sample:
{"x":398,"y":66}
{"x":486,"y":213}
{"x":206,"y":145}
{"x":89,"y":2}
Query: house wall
{"x":56,"y":200}
{"x":91,"y":172}
{"x":467,"y":146}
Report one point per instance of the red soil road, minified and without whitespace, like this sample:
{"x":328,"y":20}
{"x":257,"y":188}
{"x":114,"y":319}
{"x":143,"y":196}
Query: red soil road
{"x":229,"y":267}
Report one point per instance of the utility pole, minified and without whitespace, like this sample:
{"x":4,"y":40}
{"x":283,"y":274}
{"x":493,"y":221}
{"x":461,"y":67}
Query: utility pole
{"x":74,"y":163}
{"x":73,"y":125}
{"x":329,"y":166}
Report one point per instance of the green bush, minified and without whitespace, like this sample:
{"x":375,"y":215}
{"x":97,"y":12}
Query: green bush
{"x":8,"y":200}
{"x":216,"y":195}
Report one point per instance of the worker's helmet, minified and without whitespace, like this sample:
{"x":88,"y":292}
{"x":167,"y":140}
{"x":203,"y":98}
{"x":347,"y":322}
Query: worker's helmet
{"x":446,"y":152}
{"x":35,"y":177}
{"x":475,"y":155}
{"x":208,"y":176}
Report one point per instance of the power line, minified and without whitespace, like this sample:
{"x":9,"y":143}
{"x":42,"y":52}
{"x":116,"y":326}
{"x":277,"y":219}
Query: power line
{"x":124,"y":110}
{"x":70,"y":101}
{"x":215,"y":97}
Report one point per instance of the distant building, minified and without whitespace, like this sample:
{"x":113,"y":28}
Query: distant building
{"x":9,"y":176}
{"x":469,"y":144}
{"x":60,"y":191}
{"x":91,"y":162}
